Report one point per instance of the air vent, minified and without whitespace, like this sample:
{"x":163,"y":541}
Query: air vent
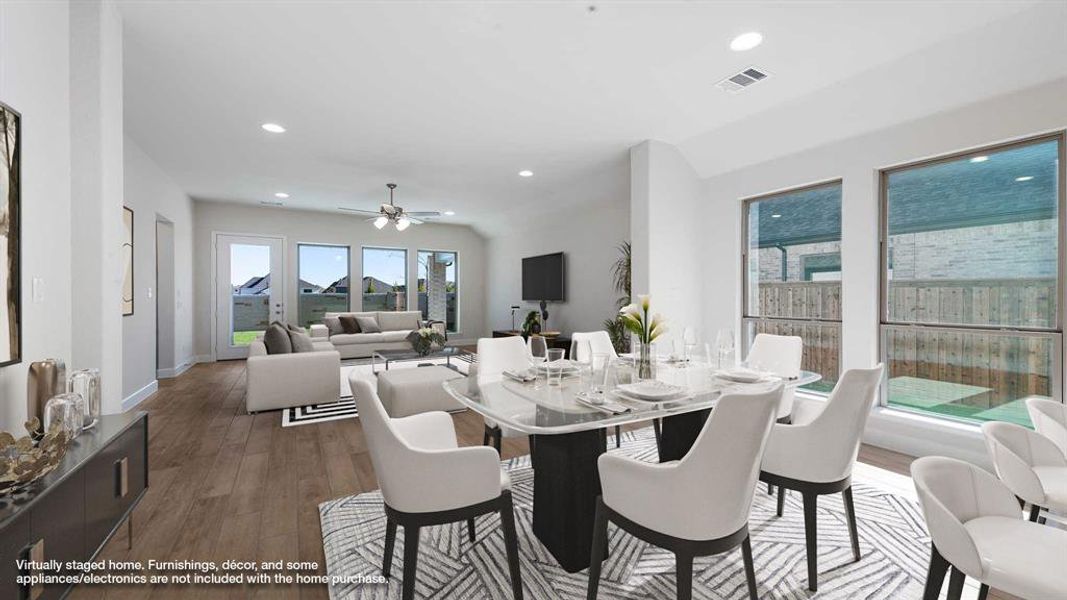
{"x":271,"y":203}
{"x":736,"y":83}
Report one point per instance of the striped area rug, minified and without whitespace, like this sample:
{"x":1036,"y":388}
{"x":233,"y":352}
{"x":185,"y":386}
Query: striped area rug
{"x":893,"y":540}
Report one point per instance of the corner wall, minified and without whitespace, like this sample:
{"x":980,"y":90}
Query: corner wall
{"x":35,"y":80}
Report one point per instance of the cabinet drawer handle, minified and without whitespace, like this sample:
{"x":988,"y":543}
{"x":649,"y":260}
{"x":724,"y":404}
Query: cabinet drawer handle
{"x":122,"y":477}
{"x":35,"y":553}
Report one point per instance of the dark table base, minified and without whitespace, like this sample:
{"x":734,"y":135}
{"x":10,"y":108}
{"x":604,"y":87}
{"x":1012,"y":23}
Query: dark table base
{"x":566,"y":486}
{"x":679,"y":433}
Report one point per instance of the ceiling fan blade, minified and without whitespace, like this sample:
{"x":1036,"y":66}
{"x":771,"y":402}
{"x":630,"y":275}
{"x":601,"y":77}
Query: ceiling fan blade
{"x":413,"y":220}
{"x":424,"y":213}
{"x":359,"y":211}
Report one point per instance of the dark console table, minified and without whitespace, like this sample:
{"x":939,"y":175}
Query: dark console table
{"x":73,"y":511}
{"x":555,"y":341}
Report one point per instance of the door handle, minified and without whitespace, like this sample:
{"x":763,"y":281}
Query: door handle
{"x":35,"y":554}
{"x":122,"y":477}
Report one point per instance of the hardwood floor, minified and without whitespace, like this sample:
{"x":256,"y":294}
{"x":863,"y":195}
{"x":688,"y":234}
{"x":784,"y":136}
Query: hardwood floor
{"x":227,"y":485}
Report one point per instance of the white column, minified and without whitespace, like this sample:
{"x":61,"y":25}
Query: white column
{"x":97,"y":194}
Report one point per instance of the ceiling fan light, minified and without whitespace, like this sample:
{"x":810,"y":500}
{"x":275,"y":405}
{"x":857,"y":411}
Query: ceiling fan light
{"x":381,"y":221}
{"x":402,"y":223}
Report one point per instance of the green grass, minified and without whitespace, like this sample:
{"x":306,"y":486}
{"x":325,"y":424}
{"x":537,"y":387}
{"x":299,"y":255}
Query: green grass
{"x":244,"y":338}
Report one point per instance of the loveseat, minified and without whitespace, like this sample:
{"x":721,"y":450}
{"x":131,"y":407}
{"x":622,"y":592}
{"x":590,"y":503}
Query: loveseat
{"x":395,"y":328}
{"x":294,"y":379}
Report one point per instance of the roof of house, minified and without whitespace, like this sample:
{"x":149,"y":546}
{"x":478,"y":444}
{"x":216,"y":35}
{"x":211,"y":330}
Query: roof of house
{"x":938,"y":196}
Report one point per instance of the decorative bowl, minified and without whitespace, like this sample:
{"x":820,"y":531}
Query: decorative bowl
{"x":24,"y":461}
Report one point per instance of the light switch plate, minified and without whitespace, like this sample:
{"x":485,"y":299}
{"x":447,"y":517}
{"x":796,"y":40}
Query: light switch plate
{"x":38,"y":290}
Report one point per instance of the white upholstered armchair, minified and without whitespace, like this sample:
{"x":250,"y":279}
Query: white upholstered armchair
{"x":1050,"y":420}
{"x":1030,"y":465}
{"x":295,"y":379}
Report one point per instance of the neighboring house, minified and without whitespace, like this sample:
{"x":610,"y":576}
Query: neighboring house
{"x":306,"y":287}
{"x":256,"y":286}
{"x":338,"y":287}
{"x":378,"y":285}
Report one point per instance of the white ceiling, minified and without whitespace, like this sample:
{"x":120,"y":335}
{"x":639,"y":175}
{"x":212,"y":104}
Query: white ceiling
{"x":451,"y":100}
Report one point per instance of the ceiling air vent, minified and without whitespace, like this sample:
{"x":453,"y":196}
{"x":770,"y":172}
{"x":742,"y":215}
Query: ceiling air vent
{"x":740,"y":81}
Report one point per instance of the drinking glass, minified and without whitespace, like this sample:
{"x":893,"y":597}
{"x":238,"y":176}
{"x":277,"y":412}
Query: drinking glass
{"x":538,"y":349}
{"x":597,"y":367}
{"x":689,"y":338}
{"x":554,"y":366}
{"x":724,"y":341}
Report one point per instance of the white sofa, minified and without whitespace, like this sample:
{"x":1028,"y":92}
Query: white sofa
{"x":297,"y":379}
{"x":395,"y":326}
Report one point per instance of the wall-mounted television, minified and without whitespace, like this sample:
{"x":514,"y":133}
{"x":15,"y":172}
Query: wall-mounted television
{"x":542,"y":278}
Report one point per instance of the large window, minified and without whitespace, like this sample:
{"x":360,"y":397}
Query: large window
{"x":385,"y":279}
{"x":971,"y":279}
{"x":792,"y":257}
{"x":322,"y":281}
{"x":439,"y":287}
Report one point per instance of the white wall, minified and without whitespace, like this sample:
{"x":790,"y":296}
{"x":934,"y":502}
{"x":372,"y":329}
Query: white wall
{"x":35,"y":80}
{"x":589,"y":238}
{"x":857,"y":161}
{"x":154,"y":196}
{"x":96,"y":157}
{"x":319,"y":227}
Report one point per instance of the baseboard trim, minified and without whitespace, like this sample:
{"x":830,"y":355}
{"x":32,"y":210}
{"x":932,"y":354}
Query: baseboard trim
{"x":204,"y":358}
{"x":137,"y":397}
{"x":178,"y":370}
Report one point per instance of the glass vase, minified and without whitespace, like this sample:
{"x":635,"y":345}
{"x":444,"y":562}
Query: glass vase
{"x":646,"y":360}
{"x":64,"y":411}
{"x":86,"y":383}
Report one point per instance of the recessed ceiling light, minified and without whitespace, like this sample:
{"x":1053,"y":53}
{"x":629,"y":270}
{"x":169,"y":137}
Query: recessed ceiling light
{"x":525,"y":173}
{"x":1026,"y":178}
{"x":978,"y":159}
{"x":273,"y":128}
{"x":281,"y":195}
{"x":776,"y":216}
{"x":746,"y":41}
{"x":449,"y":213}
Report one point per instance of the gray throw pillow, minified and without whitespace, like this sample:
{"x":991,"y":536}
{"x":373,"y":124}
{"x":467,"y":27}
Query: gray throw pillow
{"x":349,"y":324}
{"x":276,"y":339}
{"x":368,"y":325}
{"x":296,"y":328}
{"x":301,"y":341}
{"x":333,"y":324}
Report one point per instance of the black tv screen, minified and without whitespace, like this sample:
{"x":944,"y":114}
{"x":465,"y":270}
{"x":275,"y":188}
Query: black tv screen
{"x":542,"y":278}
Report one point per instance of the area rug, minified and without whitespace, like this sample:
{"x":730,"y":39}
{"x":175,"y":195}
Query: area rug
{"x":893,"y":541}
{"x":345,"y":407}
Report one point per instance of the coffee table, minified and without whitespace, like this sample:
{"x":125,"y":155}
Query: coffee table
{"x":391,"y":356}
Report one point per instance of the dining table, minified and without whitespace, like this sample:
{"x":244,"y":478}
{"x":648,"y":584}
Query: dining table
{"x":568,"y":434}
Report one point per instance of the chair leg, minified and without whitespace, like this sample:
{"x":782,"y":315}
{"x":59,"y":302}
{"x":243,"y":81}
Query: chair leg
{"x":390,"y":540}
{"x":810,"y":527}
{"x":411,"y":559}
{"x":596,"y":555}
{"x":470,"y":529}
{"x":935,"y":575}
{"x":781,"y":500}
{"x":750,"y":569}
{"x":656,"y":431}
{"x":684,"y":569}
{"x":497,"y":440}
{"x":983,"y":592}
{"x":955,"y":584}
{"x":850,"y":514}
{"x":485,"y":436}
{"x":618,"y":436}
{"x":1035,"y":510}
{"x":511,"y":543}
{"x":770,"y":489}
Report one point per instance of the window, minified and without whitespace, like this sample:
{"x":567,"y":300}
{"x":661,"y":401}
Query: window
{"x":439,"y":287}
{"x":385,"y":279}
{"x":322,"y":281}
{"x":971,"y":279}
{"x":792,"y":279}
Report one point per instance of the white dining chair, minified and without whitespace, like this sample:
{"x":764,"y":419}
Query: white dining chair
{"x":426,"y":479}
{"x":977,"y":530}
{"x":1050,"y":420}
{"x":1030,"y":465}
{"x":496,"y":355}
{"x":696,"y":506}
{"x":816,"y":458}
{"x":781,"y":355}
{"x":599,"y":343}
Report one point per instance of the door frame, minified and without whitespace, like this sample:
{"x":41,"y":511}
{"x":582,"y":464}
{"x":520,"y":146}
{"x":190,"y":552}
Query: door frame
{"x":215,"y":279}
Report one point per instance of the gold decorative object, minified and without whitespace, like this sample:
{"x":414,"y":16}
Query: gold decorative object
{"x":23,"y":461}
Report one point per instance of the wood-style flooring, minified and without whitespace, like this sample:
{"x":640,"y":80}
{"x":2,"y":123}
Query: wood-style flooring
{"x":226,"y":485}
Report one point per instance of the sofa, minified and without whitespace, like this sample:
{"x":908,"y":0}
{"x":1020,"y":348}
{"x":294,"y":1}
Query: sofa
{"x":278,"y":381}
{"x":395,"y":326}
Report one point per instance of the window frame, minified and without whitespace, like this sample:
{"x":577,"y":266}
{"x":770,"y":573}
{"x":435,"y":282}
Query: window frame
{"x":746,"y":318}
{"x":459,"y":296}
{"x":348,"y":271}
{"x":363,"y":270}
{"x":1055,"y":333}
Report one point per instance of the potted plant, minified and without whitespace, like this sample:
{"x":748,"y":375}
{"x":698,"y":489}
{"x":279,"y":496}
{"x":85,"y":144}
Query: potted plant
{"x":426,"y":339}
{"x":532,"y":324}
{"x":621,"y":278}
{"x":636,"y":318}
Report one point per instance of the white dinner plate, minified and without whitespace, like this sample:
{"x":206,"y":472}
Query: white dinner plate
{"x":652,"y":390}
{"x":742,"y":375}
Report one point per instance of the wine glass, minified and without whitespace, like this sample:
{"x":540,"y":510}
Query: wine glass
{"x":538,"y":352}
{"x":724,"y":342}
{"x":689,"y":338}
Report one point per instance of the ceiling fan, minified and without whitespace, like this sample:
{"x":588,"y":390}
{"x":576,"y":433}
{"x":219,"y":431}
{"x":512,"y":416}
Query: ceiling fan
{"x":391,"y":213}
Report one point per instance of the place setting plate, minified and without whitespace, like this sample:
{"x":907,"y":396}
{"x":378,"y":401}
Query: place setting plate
{"x":651,"y":390}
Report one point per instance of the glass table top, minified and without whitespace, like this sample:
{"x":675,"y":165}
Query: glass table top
{"x":538,"y":408}
{"x":411,"y":354}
